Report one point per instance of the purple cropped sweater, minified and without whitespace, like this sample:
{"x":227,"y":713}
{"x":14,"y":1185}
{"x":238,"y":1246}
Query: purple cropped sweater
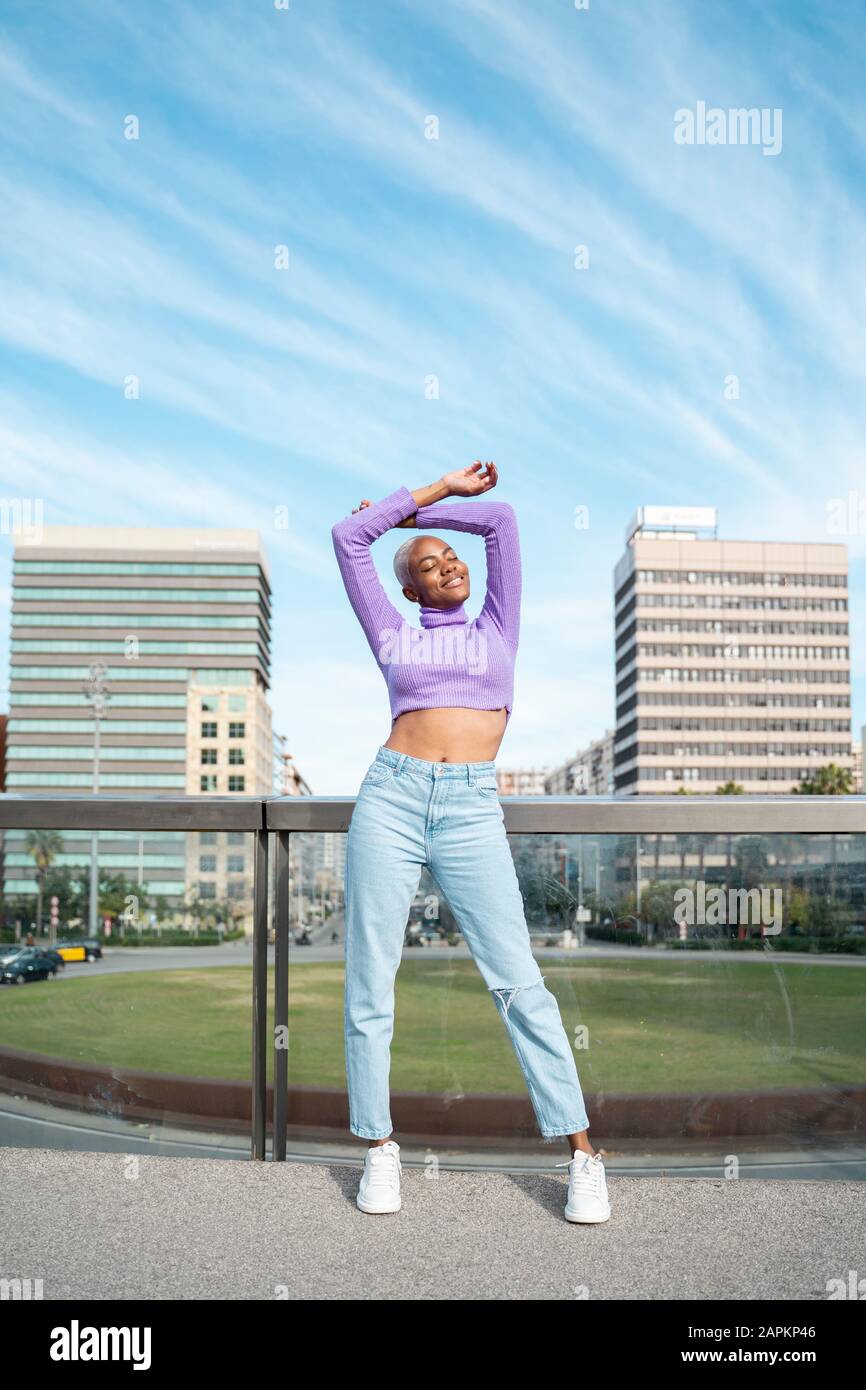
{"x":449,"y":660}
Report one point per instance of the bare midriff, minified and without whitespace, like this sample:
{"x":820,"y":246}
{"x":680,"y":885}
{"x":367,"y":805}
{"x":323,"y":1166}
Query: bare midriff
{"x":452,"y":735}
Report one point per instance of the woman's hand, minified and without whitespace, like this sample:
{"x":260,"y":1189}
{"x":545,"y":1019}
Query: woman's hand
{"x":469,"y":482}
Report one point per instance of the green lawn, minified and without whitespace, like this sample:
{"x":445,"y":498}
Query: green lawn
{"x":666,"y":1024}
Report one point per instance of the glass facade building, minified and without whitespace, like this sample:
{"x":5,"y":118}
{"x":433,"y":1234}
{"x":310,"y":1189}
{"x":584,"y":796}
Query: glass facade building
{"x":186,"y":646}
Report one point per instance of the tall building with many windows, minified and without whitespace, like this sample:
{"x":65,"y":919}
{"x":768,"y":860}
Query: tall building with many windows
{"x":732,"y":658}
{"x":181,"y":620}
{"x":588,"y":773}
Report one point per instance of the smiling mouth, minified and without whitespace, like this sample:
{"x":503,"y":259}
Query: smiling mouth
{"x":452,"y":583}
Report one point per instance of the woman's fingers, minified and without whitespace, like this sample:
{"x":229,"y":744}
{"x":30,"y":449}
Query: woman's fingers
{"x":482,"y":474}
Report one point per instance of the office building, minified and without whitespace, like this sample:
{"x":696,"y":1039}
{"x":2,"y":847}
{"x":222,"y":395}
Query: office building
{"x":588,"y":773}
{"x":288,"y":780}
{"x":732,"y":658}
{"x":181,"y":620}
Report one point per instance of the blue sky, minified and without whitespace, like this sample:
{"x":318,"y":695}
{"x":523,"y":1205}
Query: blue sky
{"x":452,"y":258}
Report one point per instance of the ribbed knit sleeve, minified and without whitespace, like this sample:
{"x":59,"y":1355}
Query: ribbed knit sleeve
{"x":352,"y":539}
{"x":497,"y":523}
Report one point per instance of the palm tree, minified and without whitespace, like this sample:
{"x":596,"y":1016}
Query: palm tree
{"x":43,"y":845}
{"x":729,"y":789}
{"x":787,"y":848}
{"x":691,"y":844}
{"x":830,"y":780}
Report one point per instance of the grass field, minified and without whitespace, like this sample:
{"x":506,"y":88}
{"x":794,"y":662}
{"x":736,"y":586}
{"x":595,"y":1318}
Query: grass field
{"x":669,"y":1024}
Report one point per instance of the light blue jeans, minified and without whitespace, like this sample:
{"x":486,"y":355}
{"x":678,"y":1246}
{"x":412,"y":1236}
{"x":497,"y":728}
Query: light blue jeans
{"x":408,"y":813}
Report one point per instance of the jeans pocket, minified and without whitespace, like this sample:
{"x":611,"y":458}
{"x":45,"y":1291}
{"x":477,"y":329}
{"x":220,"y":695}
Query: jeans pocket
{"x":486,"y":786}
{"x":377,"y":774}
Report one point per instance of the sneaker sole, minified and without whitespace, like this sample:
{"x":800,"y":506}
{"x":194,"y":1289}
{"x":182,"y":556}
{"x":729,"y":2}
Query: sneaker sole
{"x":377,"y":1211}
{"x":587,"y":1220}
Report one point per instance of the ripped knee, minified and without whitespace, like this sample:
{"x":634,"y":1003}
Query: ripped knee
{"x":506,"y":994}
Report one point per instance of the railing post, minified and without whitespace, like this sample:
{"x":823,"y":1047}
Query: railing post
{"x":260,"y":993}
{"x":281,"y":996}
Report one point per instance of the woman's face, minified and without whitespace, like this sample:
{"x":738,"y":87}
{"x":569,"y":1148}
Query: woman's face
{"x":439,"y":578}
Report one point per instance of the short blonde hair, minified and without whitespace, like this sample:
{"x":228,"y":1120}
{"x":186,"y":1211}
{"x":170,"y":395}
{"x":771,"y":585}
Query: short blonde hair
{"x":401,"y":563}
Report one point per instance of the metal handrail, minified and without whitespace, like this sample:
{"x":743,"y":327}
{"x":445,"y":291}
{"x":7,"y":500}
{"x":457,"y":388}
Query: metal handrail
{"x":575,"y":815}
{"x":126,"y":811}
{"x":283,"y":815}
{"x":617,"y":815}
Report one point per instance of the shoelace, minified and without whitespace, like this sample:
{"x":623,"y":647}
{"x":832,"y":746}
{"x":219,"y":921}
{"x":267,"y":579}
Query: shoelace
{"x":588,"y":1174}
{"x":383,"y":1167}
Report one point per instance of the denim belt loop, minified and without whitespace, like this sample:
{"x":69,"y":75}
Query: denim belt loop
{"x":400,"y":761}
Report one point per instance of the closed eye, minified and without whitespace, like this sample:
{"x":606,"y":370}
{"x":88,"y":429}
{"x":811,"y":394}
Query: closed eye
{"x":446,"y":555}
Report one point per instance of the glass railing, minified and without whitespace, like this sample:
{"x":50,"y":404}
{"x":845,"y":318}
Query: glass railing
{"x":706,"y":954}
{"x":135,"y":1032}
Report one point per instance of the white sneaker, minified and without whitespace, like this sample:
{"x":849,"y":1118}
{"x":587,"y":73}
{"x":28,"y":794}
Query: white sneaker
{"x":379,"y":1189}
{"x":587,"y":1199}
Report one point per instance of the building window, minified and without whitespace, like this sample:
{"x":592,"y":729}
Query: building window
{"x":207,"y":837}
{"x":206,"y":890}
{"x":208,"y":783}
{"x":209,"y":757}
{"x":207,"y":863}
{"x":235,"y":863}
{"x":209,"y":704}
{"x":236,"y":783}
{"x":235,"y":837}
{"x":237,"y":729}
{"x":209,"y":729}
{"x":236,"y":757}
{"x":236,"y":889}
{"x":237,"y":704}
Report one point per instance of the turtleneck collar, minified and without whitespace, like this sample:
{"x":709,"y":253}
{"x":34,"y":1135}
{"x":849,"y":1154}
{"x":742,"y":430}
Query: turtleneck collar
{"x":443,"y":617}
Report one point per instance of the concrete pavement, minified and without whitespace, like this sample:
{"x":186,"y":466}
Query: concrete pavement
{"x":108,"y":1226}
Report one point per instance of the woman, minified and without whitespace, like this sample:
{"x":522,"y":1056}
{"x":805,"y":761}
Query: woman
{"x":430,"y":797}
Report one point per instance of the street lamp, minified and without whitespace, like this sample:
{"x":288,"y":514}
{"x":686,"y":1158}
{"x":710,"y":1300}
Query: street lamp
{"x":97,"y":696}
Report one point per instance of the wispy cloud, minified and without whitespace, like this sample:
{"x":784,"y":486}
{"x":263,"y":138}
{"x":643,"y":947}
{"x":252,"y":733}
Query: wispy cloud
{"x":432,"y":310}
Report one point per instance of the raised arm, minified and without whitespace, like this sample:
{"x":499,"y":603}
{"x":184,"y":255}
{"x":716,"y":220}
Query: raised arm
{"x":497,"y":523}
{"x":352,"y":539}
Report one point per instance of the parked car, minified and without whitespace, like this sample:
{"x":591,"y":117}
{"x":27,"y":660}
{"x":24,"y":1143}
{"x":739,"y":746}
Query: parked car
{"x":55,"y":956}
{"x":85,"y":948}
{"x":30,"y":963}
